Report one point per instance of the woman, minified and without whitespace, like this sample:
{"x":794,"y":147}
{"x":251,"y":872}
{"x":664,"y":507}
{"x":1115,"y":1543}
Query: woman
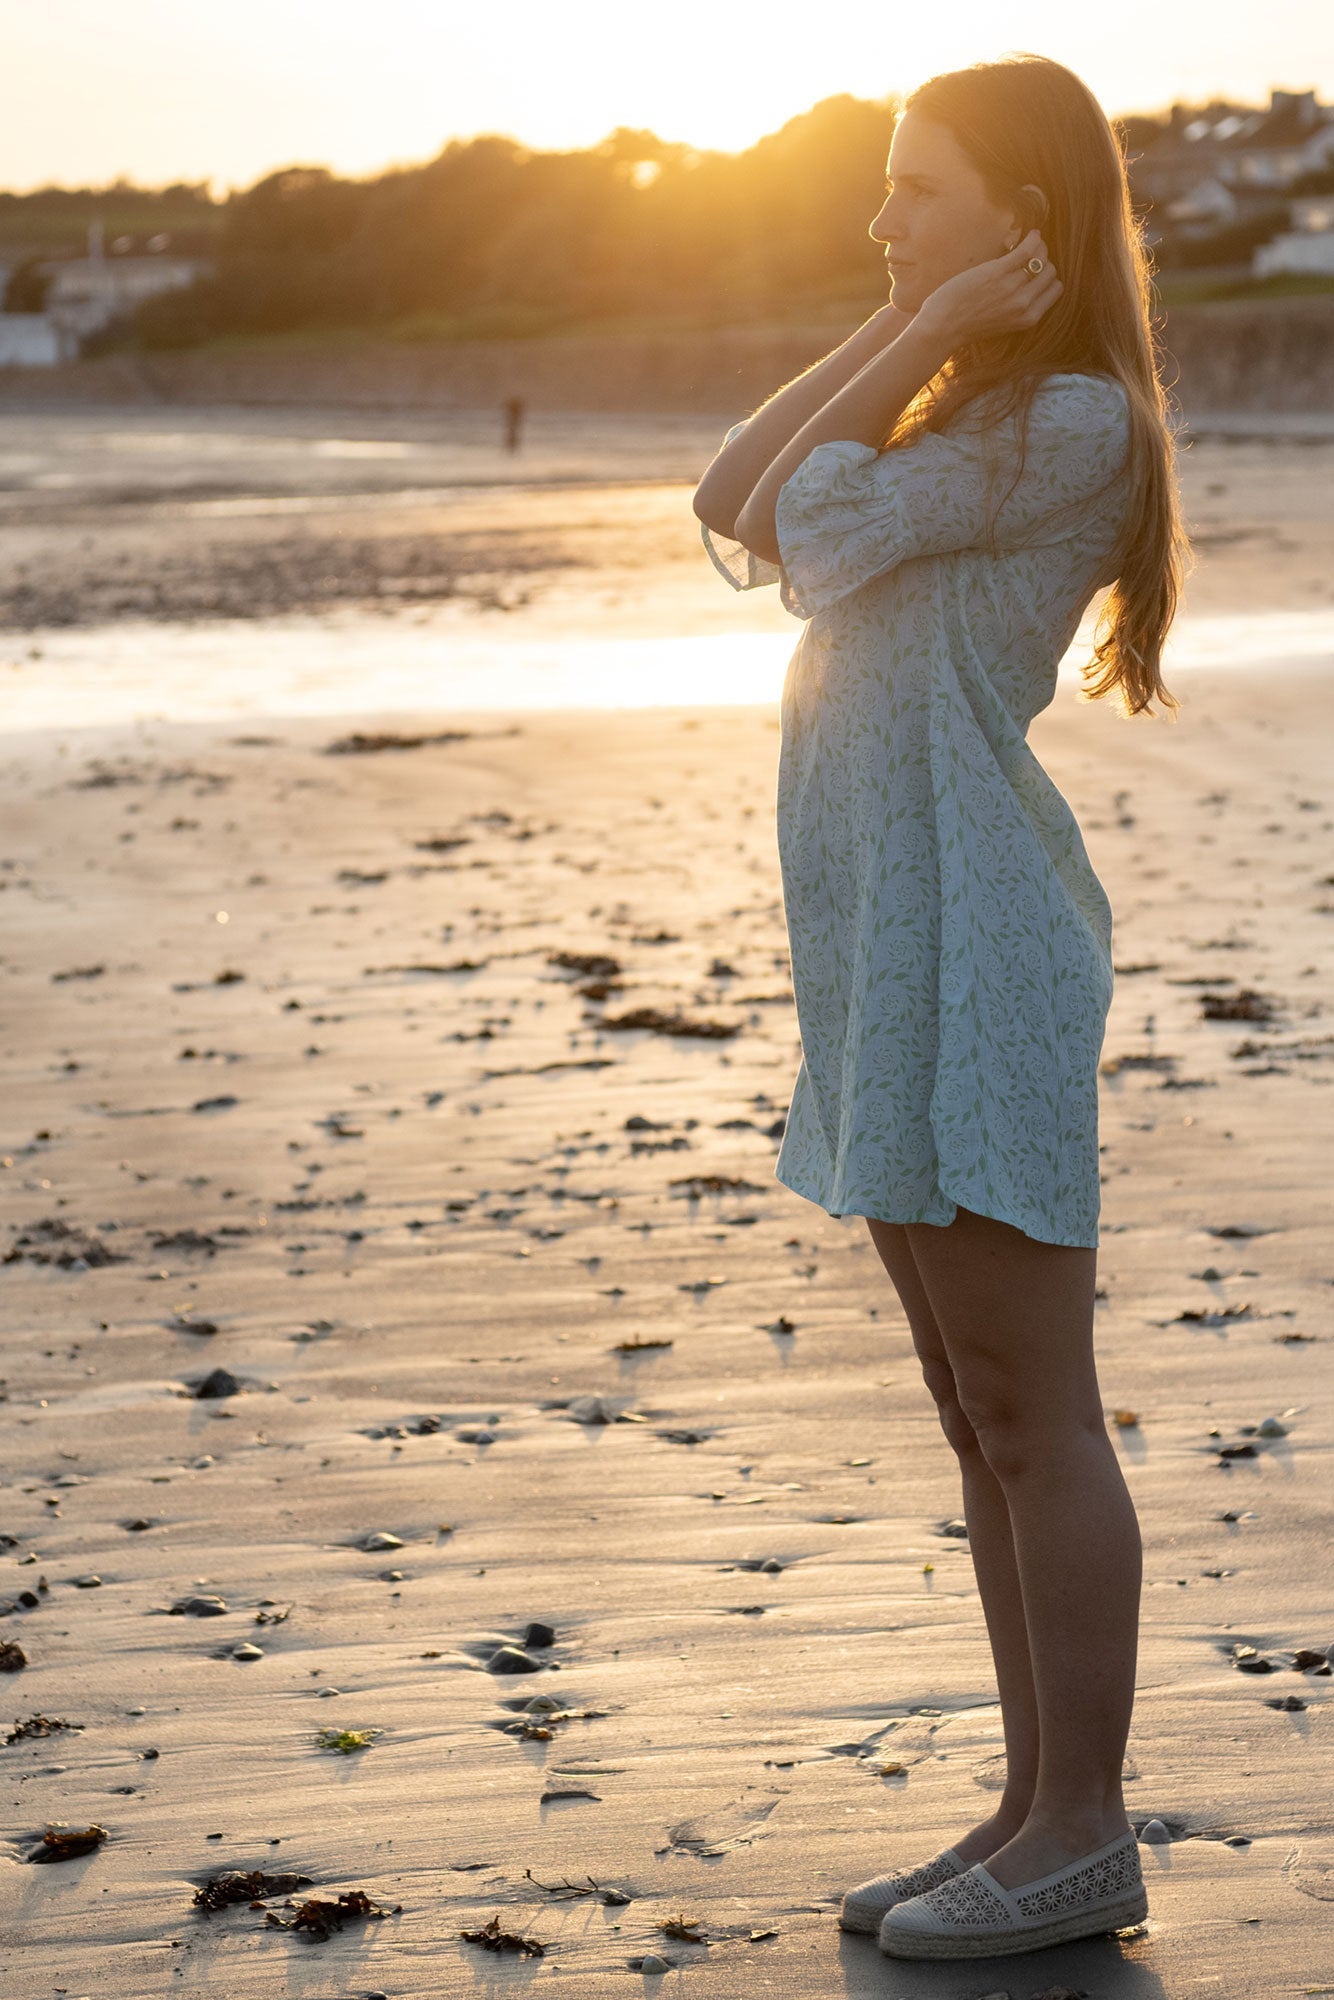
{"x":940,"y":498}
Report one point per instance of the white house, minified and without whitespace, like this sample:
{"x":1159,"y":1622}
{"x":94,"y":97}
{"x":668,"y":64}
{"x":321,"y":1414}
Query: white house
{"x":29,"y":340}
{"x":1207,"y":205}
{"x":87,"y":293}
{"x":1307,"y":251}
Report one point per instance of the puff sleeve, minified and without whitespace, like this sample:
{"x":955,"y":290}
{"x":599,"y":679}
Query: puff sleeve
{"x":733,"y":560}
{"x":850,"y":513}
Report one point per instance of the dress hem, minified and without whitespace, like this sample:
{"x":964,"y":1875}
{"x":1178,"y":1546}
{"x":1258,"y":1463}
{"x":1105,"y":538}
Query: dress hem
{"x":1057,"y":1242}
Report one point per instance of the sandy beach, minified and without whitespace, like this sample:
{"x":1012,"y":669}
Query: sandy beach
{"x":393,"y":1260}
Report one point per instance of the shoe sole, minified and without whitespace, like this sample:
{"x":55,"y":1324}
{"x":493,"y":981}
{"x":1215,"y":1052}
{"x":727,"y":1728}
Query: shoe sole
{"x":1125,"y":1915}
{"x":872,"y":1924}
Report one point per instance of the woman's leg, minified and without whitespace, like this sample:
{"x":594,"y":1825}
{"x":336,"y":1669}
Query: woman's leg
{"x":1016,"y":1323}
{"x":992,"y":1546}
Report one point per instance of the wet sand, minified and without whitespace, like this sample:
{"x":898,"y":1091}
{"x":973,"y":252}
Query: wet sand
{"x":301,"y":1085}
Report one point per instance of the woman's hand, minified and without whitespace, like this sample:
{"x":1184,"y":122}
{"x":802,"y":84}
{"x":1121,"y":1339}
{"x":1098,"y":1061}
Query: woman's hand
{"x":1000,"y":296}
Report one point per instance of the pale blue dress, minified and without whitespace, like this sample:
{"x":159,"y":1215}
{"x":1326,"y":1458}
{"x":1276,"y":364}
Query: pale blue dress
{"x":950,"y":942}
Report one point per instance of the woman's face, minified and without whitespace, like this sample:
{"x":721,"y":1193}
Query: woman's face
{"x":938,"y":218}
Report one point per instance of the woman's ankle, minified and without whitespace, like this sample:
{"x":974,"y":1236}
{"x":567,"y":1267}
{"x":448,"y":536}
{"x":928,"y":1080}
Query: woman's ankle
{"x":989,"y":1834}
{"x":1010,"y":1815}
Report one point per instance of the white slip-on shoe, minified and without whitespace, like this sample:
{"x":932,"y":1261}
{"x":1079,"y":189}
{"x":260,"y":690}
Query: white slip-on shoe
{"x":864,"y":1906}
{"x":975,"y":1916}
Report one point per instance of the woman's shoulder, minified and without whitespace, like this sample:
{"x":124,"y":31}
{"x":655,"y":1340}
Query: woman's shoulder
{"x":1060,"y":401}
{"x":1066,"y":394}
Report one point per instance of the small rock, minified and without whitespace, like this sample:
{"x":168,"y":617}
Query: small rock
{"x":1237,"y":1840}
{"x":199,"y":1607}
{"x":245,"y":1651}
{"x":12,"y":1656}
{"x":219,"y":1382}
{"x":1258,"y":1665}
{"x":538,"y":1634}
{"x":471,"y":1435}
{"x":202,"y":1463}
{"x":771,"y":1566}
{"x":957,"y":1529}
{"x":87,"y":1582}
{"x":1304,"y":1659}
{"x":1155,"y":1833}
{"x":592,"y":1410}
{"x":542,"y":1704}
{"x":650,"y":1963}
{"x":374,"y":1543}
{"x":1272,"y":1427}
{"x":512,"y":1660}
{"x":1293,"y":1703}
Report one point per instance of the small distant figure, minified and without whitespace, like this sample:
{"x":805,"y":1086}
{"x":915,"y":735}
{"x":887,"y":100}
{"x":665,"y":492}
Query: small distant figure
{"x":514,"y":407}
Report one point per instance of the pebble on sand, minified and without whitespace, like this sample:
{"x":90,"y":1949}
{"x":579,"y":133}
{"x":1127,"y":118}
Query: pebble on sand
{"x":1155,"y":1833}
{"x":218,"y":1382}
{"x":593,"y":1410}
{"x":512,"y":1660}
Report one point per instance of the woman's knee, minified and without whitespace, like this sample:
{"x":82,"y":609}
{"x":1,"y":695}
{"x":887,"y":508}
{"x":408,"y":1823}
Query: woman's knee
{"x":959,"y":1432}
{"x":1021,"y":1437}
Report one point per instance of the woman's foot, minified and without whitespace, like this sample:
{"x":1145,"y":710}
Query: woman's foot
{"x":866,"y":1904}
{"x":1042,"y":1845}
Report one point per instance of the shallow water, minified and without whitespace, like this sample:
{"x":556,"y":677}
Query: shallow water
{"x":363,"y":665}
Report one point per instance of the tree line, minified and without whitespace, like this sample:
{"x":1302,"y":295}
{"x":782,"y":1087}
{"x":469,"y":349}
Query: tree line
{"x":493,"y":237}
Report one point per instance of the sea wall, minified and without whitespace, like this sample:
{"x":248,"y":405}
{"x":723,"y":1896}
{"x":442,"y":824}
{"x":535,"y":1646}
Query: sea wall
{"x":1275,"y":355}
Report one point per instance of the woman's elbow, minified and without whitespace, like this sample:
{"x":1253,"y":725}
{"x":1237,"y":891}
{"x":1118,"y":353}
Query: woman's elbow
{"x":715,"y":517}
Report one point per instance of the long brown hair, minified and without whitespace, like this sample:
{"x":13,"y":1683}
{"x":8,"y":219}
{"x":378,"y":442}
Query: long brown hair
{"x":1022,"y":120}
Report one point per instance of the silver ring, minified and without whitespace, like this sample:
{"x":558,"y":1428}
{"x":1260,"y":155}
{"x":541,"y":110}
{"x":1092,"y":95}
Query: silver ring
{"x":1035,"y":265}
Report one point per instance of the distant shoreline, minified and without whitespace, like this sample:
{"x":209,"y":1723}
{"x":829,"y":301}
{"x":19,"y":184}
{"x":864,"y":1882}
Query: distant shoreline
{"x":1233,"y":355}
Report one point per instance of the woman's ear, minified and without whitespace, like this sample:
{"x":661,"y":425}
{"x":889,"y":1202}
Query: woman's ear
{"x":1030,"y":212}
{"x":1035,"y":206}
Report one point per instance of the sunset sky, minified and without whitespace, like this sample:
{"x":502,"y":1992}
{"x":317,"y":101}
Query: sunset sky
{"x":163,"y":90}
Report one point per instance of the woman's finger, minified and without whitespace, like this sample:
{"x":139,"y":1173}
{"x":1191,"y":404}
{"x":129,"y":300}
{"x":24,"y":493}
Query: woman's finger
{"x":1042,"y":298}
{"x":1028,"y":246}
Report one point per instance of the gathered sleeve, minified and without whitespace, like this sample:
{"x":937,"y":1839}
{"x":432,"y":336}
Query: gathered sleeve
{"x":742,"y":568}
{"x":850,"y":513}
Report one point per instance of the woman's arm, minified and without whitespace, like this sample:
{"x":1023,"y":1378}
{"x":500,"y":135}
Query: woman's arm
{"x":730,"y":479}
{"x":864,"y":411}
{"x":998,"y":296}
